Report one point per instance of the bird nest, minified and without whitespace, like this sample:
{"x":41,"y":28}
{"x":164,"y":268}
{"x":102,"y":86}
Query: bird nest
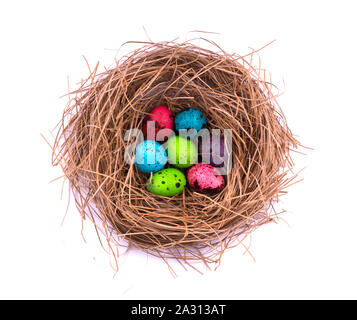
{"x":90,"y":147}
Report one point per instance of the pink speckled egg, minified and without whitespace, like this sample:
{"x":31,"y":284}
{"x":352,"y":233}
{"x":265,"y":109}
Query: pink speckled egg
{"x":202,"y":178}
{"x":161,"y":118}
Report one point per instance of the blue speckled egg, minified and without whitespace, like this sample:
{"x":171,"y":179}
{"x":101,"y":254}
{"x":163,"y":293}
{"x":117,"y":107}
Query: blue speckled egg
{"x":150,"y":156}
{"x":190,"y":119}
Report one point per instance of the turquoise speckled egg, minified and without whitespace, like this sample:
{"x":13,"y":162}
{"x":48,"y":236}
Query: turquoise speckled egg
{"x":150,"y":156}
{"x":167,"y":182}
{"x":190,"y":119}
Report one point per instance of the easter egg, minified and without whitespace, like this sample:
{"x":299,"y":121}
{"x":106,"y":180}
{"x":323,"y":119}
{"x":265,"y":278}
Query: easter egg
{"x":167,"y":182}
{"x":159,"y":119}
{"x":182,"y":152}
{"x":190,"y":119}
{"x":214,"y":152}
{"x":201,"y":177}
{"x":150,"y":156}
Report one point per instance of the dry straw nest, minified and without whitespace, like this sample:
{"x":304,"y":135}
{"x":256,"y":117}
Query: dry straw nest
{"x":231,"y":93}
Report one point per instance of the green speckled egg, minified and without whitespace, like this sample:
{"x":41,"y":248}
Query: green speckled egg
{"x":182,"y":152}
{"x":167,"y":182}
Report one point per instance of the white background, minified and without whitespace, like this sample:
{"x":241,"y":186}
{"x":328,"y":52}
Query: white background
{"x":315,"y":54}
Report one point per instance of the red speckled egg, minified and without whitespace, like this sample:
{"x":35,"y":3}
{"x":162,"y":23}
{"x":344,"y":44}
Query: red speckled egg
{"x":202,"y":178}
{"x":161,"y":118}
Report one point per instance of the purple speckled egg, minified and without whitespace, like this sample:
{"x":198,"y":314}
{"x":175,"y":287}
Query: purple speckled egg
{"x":205,"y":178}
{"x":215,"y":153}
